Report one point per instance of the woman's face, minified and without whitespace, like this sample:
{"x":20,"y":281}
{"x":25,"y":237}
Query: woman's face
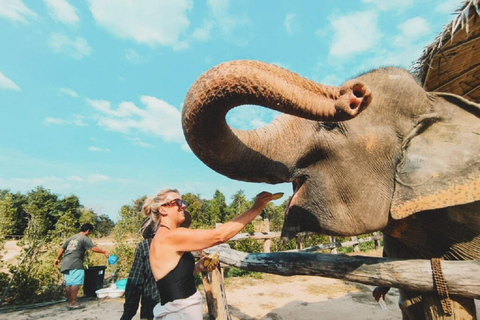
{"x":174,"y":206}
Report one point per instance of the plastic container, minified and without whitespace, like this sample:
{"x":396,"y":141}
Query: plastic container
{"x":109,"y":293}
{"x":121,"y":284}
{"x":93,"y":280}
{"x":102,"y":293}
{"x":112,"y":259}
{"x":115,"y":293}
{"x":382,"y":304}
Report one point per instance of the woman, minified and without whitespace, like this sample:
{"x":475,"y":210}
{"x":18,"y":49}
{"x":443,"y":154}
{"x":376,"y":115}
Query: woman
{"x":173,"y":265}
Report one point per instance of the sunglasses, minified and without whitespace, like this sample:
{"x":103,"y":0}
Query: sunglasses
{"x":175,"y":202}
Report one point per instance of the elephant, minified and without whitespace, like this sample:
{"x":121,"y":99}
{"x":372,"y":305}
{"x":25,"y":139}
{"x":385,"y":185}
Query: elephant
{"x":378,"y":153}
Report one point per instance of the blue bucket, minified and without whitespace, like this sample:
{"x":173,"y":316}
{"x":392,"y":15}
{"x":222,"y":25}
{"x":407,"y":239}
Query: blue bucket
{"x":121,"y":284}
{"x":112,"y":259}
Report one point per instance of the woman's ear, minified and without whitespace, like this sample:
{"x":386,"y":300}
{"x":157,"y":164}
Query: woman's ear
{"x":162,"y":212}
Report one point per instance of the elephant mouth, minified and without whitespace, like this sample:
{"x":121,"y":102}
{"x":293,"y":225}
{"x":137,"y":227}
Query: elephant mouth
{"x":297,"y":184}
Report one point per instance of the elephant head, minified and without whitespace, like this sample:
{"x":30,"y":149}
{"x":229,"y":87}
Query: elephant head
{"x":410,"y":151}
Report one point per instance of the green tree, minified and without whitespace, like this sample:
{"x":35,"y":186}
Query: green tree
{"x":88,"y":216}
{"x":65,"y":227}
{"x":7,"y":215}
{"x":43,"y":215}
{"x":219,"y":199}
{"x":195,"y":208}
{"x":104,"y":225}
{"x":131,"y":220}
{"x":20,"y":217}
{"x":238,"y":205}
{"x":71,"y":205}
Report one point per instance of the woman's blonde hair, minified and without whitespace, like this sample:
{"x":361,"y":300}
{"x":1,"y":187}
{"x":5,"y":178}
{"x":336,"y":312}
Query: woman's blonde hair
{"x":151,"y":205}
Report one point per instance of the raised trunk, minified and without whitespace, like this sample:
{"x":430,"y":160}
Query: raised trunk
{"x":260,"y":155}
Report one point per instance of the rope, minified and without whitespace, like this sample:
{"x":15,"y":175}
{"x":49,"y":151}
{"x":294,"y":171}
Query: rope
{"x":441,"y":285}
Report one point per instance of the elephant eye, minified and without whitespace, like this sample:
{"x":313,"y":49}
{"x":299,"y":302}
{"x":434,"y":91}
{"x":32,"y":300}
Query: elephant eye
{"x":331,"y":126}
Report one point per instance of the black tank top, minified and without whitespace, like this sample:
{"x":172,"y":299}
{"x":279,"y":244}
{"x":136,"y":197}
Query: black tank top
{"x":180,"y":282}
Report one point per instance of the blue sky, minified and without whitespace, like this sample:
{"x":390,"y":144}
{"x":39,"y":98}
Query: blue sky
{"x":91,"y":91}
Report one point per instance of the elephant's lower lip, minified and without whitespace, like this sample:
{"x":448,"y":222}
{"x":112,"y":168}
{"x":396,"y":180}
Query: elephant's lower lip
{"x":297,"y":183}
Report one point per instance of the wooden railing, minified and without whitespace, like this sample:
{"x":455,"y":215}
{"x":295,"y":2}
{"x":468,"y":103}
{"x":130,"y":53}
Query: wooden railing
{"x":213,"y":282}
{"x":333,"y":245}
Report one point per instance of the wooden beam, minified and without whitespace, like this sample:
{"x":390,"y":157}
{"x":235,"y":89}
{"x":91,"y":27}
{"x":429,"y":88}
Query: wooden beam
{"x":461,"y":276}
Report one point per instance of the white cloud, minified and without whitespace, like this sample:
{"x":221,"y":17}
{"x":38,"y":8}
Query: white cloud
{"x":75,"y":178}
{"x":226,"y":21}
{"x":414,"y":28}
{"x":157,"y":118}
{"x":97,"y":178}
{"x":62,"y":11}
{"x":448,"y":6}
{"x":25,"y":184}
{"x":77,"y":49}
{"x":96,"y":149}
{"x":136,"y":141}
{"x":133,"y":56}
{"x":289,"y":23}
{"x":16,"y":10}
{"x":68,"y":92}
{"x":396,"y":5}
{"x":405,"y":47}
{"x":250,"y":117}
{"x":354,"y":33}
{"x":76,"y":121}
{"x":203,"y":33}
{"x":149,"y":22}
{"x":57,"y":121}
{"x":93,"y":178}
{"x":7,"y":84}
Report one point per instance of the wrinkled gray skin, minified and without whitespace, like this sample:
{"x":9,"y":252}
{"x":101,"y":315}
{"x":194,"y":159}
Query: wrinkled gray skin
{"x":407,"y":165}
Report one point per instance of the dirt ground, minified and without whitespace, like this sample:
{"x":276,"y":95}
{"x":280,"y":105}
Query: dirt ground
{"x":271,"y":298}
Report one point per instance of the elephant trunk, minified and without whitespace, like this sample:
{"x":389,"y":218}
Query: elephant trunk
{"x":257,"y":155}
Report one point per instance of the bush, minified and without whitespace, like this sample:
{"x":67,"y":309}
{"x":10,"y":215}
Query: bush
{"x":233,"y":272}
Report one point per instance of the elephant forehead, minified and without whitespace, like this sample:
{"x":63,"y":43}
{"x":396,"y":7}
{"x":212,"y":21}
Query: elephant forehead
{"x":375,"y":139}
{"x":369,"y":140}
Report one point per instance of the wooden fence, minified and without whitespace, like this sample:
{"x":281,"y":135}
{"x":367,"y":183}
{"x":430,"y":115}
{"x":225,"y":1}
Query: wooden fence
{"x":213,"y":282}
{"x":333,"y":245}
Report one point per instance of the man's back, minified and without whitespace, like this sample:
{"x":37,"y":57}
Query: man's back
{"x":74,"y":254}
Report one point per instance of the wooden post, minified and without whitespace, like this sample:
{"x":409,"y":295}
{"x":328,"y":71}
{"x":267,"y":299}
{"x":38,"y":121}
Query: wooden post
{"x":332,"y":240}
{"x":267,"y":244}
{"x":215,"y":294}
{"x":376,"y":241}
{"x":356,"y":247}
{"x":299,"y":242}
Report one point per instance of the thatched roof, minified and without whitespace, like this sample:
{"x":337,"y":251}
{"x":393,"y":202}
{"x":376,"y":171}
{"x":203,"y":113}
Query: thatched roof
{"x":452,"y":62}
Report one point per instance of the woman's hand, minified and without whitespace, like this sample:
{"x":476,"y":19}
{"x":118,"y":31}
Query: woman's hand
{"x":262,"y":199}
{"x":206,"y":264}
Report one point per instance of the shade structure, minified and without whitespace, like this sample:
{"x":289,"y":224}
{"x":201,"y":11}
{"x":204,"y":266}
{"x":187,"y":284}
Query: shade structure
{"x":452,"y":62}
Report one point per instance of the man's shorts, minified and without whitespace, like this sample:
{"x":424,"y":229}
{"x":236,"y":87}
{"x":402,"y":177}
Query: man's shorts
{"x":74,"y":277}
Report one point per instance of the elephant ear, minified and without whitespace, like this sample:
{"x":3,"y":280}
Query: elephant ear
{"x":440,"y":166}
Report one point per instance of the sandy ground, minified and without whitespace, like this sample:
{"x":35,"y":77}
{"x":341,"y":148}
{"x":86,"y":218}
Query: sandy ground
{"x":273,"y":298}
